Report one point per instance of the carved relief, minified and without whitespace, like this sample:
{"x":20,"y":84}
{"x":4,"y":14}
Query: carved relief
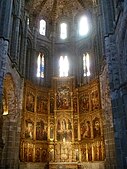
{"x":66,"y":152}
{"x":64,"y":130}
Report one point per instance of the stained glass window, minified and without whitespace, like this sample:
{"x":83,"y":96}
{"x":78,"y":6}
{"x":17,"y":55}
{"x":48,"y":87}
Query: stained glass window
{"x":40,"y":65}
{"x":42,"y":27}
{"x":86,"y":64}
{"x":83,"y":26}
{"x":63,"y":31}
{"x":63,"y":66}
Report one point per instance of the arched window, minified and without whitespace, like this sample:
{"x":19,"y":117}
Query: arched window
{"x":42,"y":27}
{"x":63,"y":66}
{"x":63,"y":30}
{"x":83,"y":26}
{"x":28,"y":21}
{"x":40,"y":65}
{"x":86,"y":64}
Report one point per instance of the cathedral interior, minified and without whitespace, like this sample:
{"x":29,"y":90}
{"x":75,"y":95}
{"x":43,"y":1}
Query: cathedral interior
{"x":63,"y":96}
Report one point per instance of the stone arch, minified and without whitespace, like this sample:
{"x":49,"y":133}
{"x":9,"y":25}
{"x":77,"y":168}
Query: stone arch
{"x":9,"y":132}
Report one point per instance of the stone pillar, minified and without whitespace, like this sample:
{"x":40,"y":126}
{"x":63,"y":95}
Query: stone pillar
{"x":3,"y":58}
{"x":110,"y":161}
{"x":15,"y":33}
{"x":117,"y":100}
{"x":5,"y":17}
{"x":1,"y":124}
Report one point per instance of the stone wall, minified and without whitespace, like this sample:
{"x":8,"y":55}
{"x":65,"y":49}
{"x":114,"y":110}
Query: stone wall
{"x":3,"y":58}
{"x":13,"y":93}
{"x":116,"y":58}
{"x":110,"y":161}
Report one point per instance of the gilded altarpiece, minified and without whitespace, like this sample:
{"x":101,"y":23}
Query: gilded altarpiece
{"x":34,"y":135}
{"x":63,"y":124}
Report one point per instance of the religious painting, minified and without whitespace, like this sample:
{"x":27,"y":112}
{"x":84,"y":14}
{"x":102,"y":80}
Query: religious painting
{"x":63,"y":98}
{"x":42,"y":105}
{"x":95,"y":100}
{"x":75,"y":106}
{"x":96,"y":128}
{"x":85,"y":129}
{"x":52,"y":105}
{"x":41,"y":131}
{"x":30,"y":102}
{"x":29,"y":129}
{"x":84,"y":104}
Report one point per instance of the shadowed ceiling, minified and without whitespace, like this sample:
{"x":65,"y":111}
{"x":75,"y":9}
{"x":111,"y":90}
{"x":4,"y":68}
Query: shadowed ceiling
{"x":55,"y":9}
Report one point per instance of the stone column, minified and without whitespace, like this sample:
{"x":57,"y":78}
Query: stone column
{"x":5,"y":17}
{"x":3,"y":58}
{"x":15,"y":32}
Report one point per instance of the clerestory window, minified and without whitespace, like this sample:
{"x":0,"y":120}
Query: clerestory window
{"x":86,"y":64}
{"x":63,"y":66}
{"x":40,"y":65}
{"x":63,"y":30}
{"x":83,"y":26}
{"x":42,"y":29}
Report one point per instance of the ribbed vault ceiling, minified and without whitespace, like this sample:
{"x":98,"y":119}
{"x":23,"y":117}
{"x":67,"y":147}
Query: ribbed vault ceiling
{"x":55,"y":9}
